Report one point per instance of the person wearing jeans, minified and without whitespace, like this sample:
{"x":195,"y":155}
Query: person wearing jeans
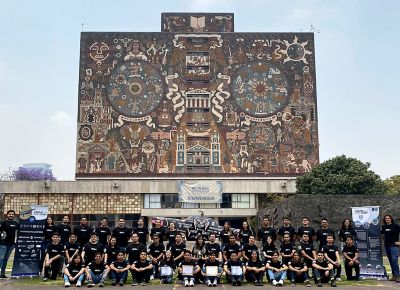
{"x":391,"y":231}
{"x":119,"y":270}
{"x":10,"y":228}
{"x":74,"y":272}
{"x":276,"y":270}
{"x":97,"y":271}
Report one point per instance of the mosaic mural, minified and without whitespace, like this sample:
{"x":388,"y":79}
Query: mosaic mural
{"x":197,"y":22}
{"x":196,"y":104}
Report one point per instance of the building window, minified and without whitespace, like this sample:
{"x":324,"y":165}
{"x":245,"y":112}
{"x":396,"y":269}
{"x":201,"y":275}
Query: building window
{"x":243,"y":200}
{"x":152,"y":201}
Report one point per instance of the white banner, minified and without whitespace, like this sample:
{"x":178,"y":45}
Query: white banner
{"x":200,"y":191}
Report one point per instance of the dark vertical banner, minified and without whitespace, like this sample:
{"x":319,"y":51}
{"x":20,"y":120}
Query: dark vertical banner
{"x":29,"y":240}
{"x":368,"y":228}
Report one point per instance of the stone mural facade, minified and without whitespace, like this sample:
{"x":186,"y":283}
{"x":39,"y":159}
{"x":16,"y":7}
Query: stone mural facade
{"x":196,"y":100}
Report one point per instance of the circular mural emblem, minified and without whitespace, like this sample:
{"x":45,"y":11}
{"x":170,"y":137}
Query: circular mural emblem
{"x":86,"y":132}
{"x":260,"y":89}
{"x":135,"y":89}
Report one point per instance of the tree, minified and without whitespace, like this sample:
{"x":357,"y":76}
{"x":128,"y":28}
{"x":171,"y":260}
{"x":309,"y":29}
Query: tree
{"x":28,"y":174}
{"x":341,"y":175}
{"x":393,"y":184}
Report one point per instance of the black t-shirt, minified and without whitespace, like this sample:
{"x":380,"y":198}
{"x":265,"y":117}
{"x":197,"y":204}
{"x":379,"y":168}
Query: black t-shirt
{"x":257,"y":264}
{"x":322,"y":234}
{"x":248,"y":249}
{"x":159,"y":231}
{"x":140,"y":264}
{"x":263,"y":233}
{"x":111,"y":254}
{"x":229,"y":249}
{"x":269,"y":249}
{"x":307,"y":248}
{"x":142,"y":233}
{"x":64,"y":231}
{"x":306,"y":230}
{"x":216,"y":262}
{"x":297,"y":265}
{"x":224,"y":236}
{"x":176,"y":249}
{"x":134,"y":250}
{"x":324,"y":263}
{"x":120,"y":265}
{"x":287,"y":230}
{"x":344,"y":233}
{"x":103,"y":233}
{"x":213,"y":247}
{"x":350,"y":251}
{"x":74,"y":269}
{"x":275,"y":264}
{"x":54,"y":250}
{"x":190,"y":263}
{"x":48,"y":231}
{"x":244,"y":236}
{"x":169,"y":263}
{"x":391,"y":234}
{"x":10,"y":227}
{"x":171,"y":236}
{"x":71,"y":248}
{"x":287,"y":249}
{"x":122,"y":235}
{"x":83,"y":234}
{"x":330,"y":250}
{"x":91,"y":250}
{"x":97,"y":269}
{"x":156,"y":251}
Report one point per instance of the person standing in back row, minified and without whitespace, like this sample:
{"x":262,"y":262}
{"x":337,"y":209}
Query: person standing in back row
{"x":7,"y":244}
{"x":83,"y":232}
{"x":122,"y":233}
{"x":323,"y":232}
{"x":390,"y":231}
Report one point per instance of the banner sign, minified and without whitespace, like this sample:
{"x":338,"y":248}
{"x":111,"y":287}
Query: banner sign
{"x":200,"y":191}
{"x":29,"y":240}
{"x":366,"y":221}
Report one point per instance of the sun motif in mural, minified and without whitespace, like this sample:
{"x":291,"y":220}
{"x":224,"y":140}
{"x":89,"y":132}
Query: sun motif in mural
{"x":295,"y":51}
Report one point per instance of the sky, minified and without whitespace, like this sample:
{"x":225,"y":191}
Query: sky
{"x":357,"y":67}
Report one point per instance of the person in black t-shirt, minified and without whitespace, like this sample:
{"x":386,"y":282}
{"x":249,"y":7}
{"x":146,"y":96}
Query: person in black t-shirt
{"x":225,"y":234}
{"x":245,"y":233}
{"x":236,"y":277}
{"x":48,"y":231}
{"x":188,"y":278}
{"x":286,"y":228}
{"x":111,"y":251}
{"x":141,"y":270}
{"x":391,"y":231}
{"x":122,"y":233}
{"x":119,"y":270}
{"x":64,"y":229}
{"x":91,"y":248}
{"x":71,"y":249}
{"x":177,"y":249}
{"x":276,"y":270}
{"x":331,"y":253}
{"x":268,"y":248}
{"x":9,"y":229}
{"x":305,"y":229}
{"x":265,"y":231}
{"x":249,"y":248}
{"x":231,"y":247}
{"x":52,"y":259}
{"x":323,"y":232}
{"x":156,"y":253}
{"x":211,"y":262}
{"x":287,"y":249}
{"x":347,"y":230}
{"x":74,"y":272}
{"x":323,"y":271}
{"x":97,"y":271}
{"x":213,"y":246}
{"x":134,"y":249}
{"x":103,"y":232}
{"x":83,"y":231}
{"x":350,"y":253}
{"x":307,"y":251}
{"x":298,"y":270}
{"x":255,"y":269}
{"x":159,"y":230}
{"x":142,"y":231}
{"x":167,"y":261}
{"x":171,"y":233}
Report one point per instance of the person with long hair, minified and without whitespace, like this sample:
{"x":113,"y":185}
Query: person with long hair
{"x":74,"y":272}
{"x":49,"y":229}
{"x":225,"y":233}
{"x":171,"y":233}
{"x":391,"y":231}
{"x":269,"y":247}
{"x":298,"y":270}
{"x":166,"y":268}
{"x":199,"y":251}
{"x":347,"y":230}
{"x":255,"y":269}
{"x":111,"y":251}
{"x":244,"y":233}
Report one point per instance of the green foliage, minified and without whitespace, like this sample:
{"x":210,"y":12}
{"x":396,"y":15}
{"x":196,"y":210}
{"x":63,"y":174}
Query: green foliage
{"x":393,"y":184}
{"x":341,"y":175}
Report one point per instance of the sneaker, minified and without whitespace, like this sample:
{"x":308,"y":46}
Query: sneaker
{"x":319,"y":283}
{"x":280,"y":283}
{"x":143,"y":284}
{"x":292,"y":284}
{"x":333,"y":283}
{"x":79,"y":284}
{"x":398,"y":279}
{"x":186,"y":283}
{"x":260,"y":283}
{"x":113,"y":283}
{"x":90,"y":284}
{"x":191,"y":283}
{"x":134,"y":283}
{"x":67,"y":284}
{"x":338,"y":279}
{"x":239,"y":283}
{"x":215,"y":283}
{"x":121,"y":283}
{"x":101,"y":284}
{"x":274,"y":282}
{"x":308,"y":284}
{"x":234,"y":283}
{"x":152,"y":277}
{"x":45,"y":279}
{"x":209,"y":284}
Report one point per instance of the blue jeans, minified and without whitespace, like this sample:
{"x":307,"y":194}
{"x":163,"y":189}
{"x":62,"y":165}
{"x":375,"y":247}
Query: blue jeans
{"x":276,"y":276}
{"x":119,"y":277}
{"x":303,"y":277}
{"x":5,"y":252}
{"x":80,"y":278}
{"x":96,"y":279}
{"x":393,"y":257}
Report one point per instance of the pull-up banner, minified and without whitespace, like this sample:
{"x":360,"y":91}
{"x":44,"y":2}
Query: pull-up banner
{"x":366,"y":220}
{"x":29,"y":240}
{"x":200,"y":191}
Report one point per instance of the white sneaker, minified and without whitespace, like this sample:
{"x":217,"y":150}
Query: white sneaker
{"x":191,"y":283}
{"x":274,"y":282}
{"x":280,"y":283}
{"x":338,"y":279}
{"x":79,"y":284}
{"x":67,"y":284}
{"x":152,"y":277}
{"x":186,"y":283}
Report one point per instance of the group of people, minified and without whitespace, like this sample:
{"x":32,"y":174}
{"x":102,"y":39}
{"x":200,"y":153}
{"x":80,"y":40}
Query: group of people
{"x":298,"y":255}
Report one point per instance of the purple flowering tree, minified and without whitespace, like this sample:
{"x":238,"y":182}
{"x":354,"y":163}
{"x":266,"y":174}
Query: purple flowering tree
{"x":32,"y":174}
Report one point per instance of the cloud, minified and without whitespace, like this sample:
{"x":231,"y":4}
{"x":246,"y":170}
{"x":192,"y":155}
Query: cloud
{"x":62,"y":119}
